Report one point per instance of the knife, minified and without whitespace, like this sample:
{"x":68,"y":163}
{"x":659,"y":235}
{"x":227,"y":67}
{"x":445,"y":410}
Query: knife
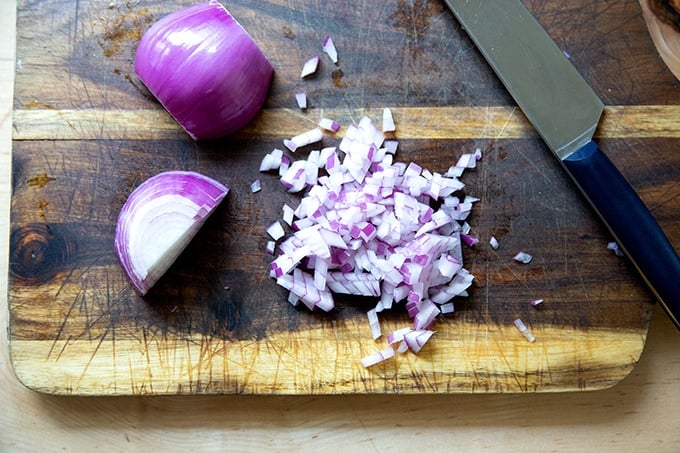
{"x":566,"y":111}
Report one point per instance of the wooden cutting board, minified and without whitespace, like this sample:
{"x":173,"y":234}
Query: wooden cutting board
{"x":86,"y":133}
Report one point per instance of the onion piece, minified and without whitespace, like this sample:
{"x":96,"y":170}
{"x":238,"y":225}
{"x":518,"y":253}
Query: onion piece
{"x":309,"y":67}
{"x":366,"y":228}
{"x":467,"y":161}
{"x":524,"y":330}
{"x":397,"y":336}
{"x":614,"y":246}
{"x":523,"y":257}
{"x":256,"y":186}
{"x":388,"y":121}
{"x":329,"y":124}
{"x":493,"y":242}
{"x":159,"y":219}
{"x":304,"y":139}
{"x":416,"y":339}
{"x":329,"y":48}
{"x":378,"y":357}
{"x":301,"y":99}
{"x":374,"y":323}
{"x":447,"y":308}
{"x":275,"y":230}
{"x":205,"y":69}
{"x":272,"y":161}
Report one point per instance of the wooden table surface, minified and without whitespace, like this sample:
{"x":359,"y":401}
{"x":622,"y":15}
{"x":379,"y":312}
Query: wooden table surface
{"x":638,"y":414}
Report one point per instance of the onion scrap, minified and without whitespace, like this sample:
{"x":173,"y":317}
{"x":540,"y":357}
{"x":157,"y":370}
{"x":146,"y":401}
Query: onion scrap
{"x":329,"y":48}
{"x":309,"y":67}
{"x":205,"y":69}
{"x":369,"y":226}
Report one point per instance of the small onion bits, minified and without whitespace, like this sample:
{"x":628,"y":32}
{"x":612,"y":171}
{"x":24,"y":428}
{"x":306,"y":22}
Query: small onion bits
{"x":205,"y":69}
{"x":159,"y":219}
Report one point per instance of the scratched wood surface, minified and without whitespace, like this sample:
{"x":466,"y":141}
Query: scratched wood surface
{"x":86,"y":132}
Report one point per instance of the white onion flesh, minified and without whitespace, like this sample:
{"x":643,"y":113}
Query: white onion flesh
{"x":378,"y":357}
{"x":305,"y":138}
{"x":614,"y":246}
{"x":524,"y":330}
{"x":388,"y":121}
{"x":159,"y":219}
{"x":309,"y":67}
{"x":536,"y":303}
{"x":301,"y":99}
{"x":493,"y":242}
{"x":523,"y":257}
{"x":329,"y":48}
{"x":329,"y":124}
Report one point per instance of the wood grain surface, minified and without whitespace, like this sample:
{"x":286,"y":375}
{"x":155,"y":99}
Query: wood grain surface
{"x":638,"y":414}
{"x":86,"y":132}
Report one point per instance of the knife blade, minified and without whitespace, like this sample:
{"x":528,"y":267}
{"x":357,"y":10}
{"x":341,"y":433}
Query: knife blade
{"x":565,"y":111}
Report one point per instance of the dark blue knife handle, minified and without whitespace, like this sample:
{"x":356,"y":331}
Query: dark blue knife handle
{"x":631,"y":223}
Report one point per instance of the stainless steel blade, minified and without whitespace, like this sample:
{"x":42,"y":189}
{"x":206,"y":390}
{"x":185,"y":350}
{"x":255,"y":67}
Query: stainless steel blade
{"x":552,"y":94}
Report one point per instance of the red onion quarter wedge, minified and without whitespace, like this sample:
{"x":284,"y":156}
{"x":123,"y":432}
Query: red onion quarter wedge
{"x":205,"y":69}
{"x":158,"y":221}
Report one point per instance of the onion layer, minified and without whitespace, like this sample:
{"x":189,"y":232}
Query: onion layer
{"x":205,"y":69}
{"x":159,"y":219}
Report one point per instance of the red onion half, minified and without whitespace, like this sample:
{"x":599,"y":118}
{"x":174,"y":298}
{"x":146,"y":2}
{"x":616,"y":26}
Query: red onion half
{"x":204,"y":69}
{"x":159,"y":219}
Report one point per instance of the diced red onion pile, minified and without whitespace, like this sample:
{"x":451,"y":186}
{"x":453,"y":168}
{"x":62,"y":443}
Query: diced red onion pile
{"x":366,"y":226}
{"x":205,"y":69}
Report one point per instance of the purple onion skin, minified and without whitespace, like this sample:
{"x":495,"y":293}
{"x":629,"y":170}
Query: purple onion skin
{"x":198,"y":188}
{"x":205,"y":70}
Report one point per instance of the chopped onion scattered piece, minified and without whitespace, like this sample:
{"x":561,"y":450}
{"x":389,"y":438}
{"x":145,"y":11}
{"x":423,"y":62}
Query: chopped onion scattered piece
{"x":272,"y":161}
{"x":369,"y":226}
{"x":329,"y":48}
{"x":467,"y":161}
{"x":288,"y":214}
{"x":397,"y":336}
{"x":159,"y":219}
{"x":525,"y":330}
{"x":416,"y":339}
{"x":447,"y":308}
{"x":205,"y":69}
{"x":329,"y":124}
{"x":374,"y":323}
{"x":469,"y":239}
{"x":378,"y":357}
{"x":256,"y":186}
{"x":275,"y":230}
{"x":614,"y":246}
{"x":536,"y":303}
{"x":523,"y":257}
{"x":309,"y":67}
{"x":493,"y":242}
{"x":388,"y":121}
{"x":301,"y":99}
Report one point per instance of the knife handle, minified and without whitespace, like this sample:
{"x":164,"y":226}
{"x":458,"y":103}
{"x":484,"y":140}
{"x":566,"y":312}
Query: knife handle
{"x":631,"y":223}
